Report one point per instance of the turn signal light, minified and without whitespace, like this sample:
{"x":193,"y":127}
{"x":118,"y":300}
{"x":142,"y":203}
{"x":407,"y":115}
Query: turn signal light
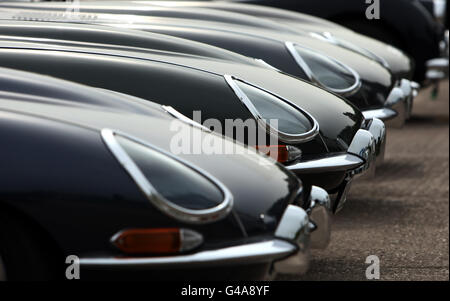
{"x":280,"y":153}
{"x":156,"y":241}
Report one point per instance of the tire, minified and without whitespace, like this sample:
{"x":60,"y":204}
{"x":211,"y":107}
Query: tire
{"x":25,"y":253}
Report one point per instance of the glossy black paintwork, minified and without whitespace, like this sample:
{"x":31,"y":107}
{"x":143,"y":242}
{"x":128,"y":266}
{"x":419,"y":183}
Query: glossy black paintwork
{"x":377,"y":81}
{"x":138,"y":41}
{"x":420,"y":38}
{"x":161,"y":78}
{"x":253,"y":37}
{"x":57,"y":171}
{"x":400,"y":64}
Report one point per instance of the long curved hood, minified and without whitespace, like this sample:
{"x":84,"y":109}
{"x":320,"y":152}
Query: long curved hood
{"x":129,"y":9}
{"x":136,"y":40}
{"x":270,"y":46}
{"x":241,"y":7}
{"x":336,"y":117}
{"x":399,"y":63}
{"x":147,"y":121}
{"x":222,"y":29}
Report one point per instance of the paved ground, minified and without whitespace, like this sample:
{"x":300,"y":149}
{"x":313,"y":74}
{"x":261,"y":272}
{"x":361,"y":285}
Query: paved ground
{"x":402,"y":215}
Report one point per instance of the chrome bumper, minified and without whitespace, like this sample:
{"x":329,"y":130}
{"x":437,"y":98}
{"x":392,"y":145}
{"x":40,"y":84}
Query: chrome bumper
{"x":265,"y":251}
{"x":320,"y":216}
{"x":308,"y":232}
{"x":295,"y":227}
{"x":437,"y":69}
{"x":398,"y":106}
{"x":288,"y":251}
{"x":363,"y":155}
{"x":367,"y":145}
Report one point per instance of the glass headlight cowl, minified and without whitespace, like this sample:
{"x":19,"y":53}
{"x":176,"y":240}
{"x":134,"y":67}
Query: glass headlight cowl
{"x":177,"y":188}
{"x":325,"y":71}
{"x":294,"y":124}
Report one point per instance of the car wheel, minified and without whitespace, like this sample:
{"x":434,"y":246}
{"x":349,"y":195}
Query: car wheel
{"x":25,"y":253}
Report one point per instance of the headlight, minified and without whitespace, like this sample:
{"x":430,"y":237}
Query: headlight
{"x":294,"y":124}
{"x":177,"y":188}
{"x":325,"y":71}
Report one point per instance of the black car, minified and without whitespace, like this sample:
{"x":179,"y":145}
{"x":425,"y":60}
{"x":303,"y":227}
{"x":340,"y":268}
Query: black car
{"x":425,"y":39}
{"x":91,"y":173}
{"x":322,"y":138}
{"x":361,"y":78}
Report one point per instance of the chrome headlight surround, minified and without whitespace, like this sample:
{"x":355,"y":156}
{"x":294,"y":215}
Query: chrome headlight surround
{"x":174,"y":113}
{"x":285,"y":137}
{"x":263,"y":63}
{"x":304,"y":65}
{"x":159,"y":201}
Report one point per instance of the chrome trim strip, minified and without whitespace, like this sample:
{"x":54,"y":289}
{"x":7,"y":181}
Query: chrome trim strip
{"x":301,"y":62}
{"x":285,"y":137}
{"x":382,"y":114}
{"x":265,"y":251}
{"x":174,"y":113}
{"x":167,"y":207}
{"x":340,"y":162}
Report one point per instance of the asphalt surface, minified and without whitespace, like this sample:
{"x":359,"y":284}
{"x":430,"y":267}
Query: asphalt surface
{"x":402,"y":215}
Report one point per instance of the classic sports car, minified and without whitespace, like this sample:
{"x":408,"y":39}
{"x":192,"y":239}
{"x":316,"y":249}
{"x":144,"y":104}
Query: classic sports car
{"x":91,"y":173}
{"x":424,"y":39}
{"x":303,"y":24}
{"x":320,"y":137}
{"x":359,"y":78}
